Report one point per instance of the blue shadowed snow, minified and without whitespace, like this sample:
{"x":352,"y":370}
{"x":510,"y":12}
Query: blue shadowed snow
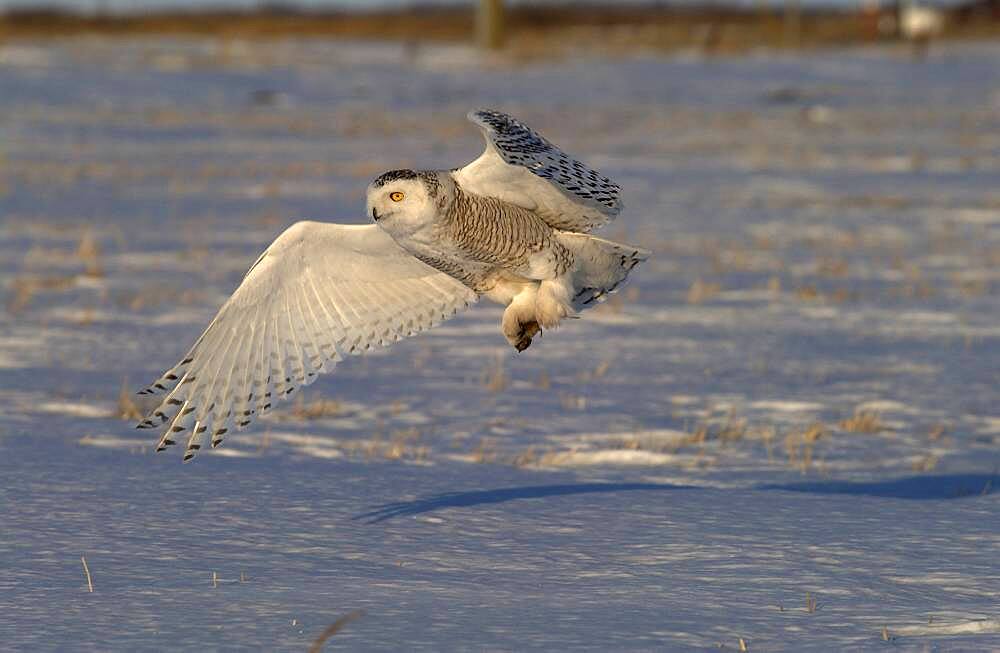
{"x":500,"y":495}
{"x":794,"y":400}
{"x":946,"y":486}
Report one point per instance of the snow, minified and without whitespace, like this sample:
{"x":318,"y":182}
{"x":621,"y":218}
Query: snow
{"x":785,"y":429}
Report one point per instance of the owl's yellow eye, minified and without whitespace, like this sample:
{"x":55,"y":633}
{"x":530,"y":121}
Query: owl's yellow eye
{"x":396,"y":197}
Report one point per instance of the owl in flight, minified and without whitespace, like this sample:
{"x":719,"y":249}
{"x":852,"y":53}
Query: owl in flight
{"x":512,"y":226}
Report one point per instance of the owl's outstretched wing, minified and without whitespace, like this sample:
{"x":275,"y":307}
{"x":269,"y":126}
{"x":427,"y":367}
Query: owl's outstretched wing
{"x":521,"y":167}
{"x":318,"y":293}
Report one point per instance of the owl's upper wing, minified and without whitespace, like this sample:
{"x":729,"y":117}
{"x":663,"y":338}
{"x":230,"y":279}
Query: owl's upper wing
{"x":319,"y":292}
{"x":521,"y":167}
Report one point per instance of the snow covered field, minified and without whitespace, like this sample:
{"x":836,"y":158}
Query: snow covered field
{"x":786,"y":429}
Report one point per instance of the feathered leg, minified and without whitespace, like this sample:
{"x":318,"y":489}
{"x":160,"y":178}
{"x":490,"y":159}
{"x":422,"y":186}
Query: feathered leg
{"x":519,"y":324}
{"x":554,"y":301}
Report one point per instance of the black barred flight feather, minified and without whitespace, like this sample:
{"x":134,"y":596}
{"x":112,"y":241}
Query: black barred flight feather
{"x":521,"y":167}
{"x":317,"y":294}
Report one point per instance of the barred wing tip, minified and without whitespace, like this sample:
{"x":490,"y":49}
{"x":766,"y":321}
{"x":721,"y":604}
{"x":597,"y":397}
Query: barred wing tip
{"x":319,"y":293}
{"x":564,"y":191}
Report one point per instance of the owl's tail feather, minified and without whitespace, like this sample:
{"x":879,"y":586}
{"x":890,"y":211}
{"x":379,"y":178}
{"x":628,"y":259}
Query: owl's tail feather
{"x":601,"y":267}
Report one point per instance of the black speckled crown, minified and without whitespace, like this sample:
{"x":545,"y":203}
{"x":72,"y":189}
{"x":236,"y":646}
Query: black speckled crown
{"x":394,"y":175}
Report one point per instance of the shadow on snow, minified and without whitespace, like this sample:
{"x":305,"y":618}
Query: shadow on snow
{"x":948,"y":486}
{"x":500,"y":495}
{"x":953,"y":486}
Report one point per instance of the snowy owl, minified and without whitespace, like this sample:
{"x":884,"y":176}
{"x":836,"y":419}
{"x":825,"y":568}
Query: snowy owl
{"x":511,"y":226}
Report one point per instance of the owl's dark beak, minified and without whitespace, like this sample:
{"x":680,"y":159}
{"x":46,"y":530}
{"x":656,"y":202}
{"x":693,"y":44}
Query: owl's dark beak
{"x":374,"y":214}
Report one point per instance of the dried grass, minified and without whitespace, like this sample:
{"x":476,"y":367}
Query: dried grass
{"x":863,"y":421}
{"x":333,"y":629}
{"x":485,"y":452}
{"x":127,"y":408}
{"x":402,"y":444}
{"x":318,"y":409}
{"x":832,"y":266}
{"x":571,"y":401}
{"x":701,"y":291}
{"x":527,"y":458}
{"x":734,"y":428}
{"x":697,"y":438}
{"x":807,"y":293}
{"x":799,"y":445}
{"x":585,"y":376}
{"x":86,"y":572}
{"x":152,"y":295}
{"x":937,"y":432}
{"x":926,"y":463}
{"x":89,"y":251}
{"x":766,"y":435}
{"x":494,"y":376}
{"x":23,"y":289}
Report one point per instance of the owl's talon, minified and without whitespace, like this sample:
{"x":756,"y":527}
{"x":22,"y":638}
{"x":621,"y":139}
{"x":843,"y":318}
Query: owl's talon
{"x":527,"y":332}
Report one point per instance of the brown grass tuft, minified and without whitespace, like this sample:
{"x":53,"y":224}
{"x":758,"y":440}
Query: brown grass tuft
{"x":484,"y":453}
{"x":863,"y":421}
{"x":127,"y":408}
{"x":799,"y":445}
{"x":698,"y":436}
{"x":571,"y":401}
{"x":734,"y":429}
{"x":701,"y":291}
{"x":527,"y":458}
{"x":89,"y":251}
{"x":24,"y":289}
{"x":807,"y":293}
{"x":926,"y":463}
{"x":495,"y":377}
{"x":333,"y":629}
{"x":319,"y":409}
{"x":766,"y":435}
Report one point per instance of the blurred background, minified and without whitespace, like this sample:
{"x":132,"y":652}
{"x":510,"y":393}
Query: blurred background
{"x":811,"y":352}
{"x":815,"y":178}
{"x":526,"y":27}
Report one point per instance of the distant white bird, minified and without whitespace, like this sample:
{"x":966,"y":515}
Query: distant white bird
{"x":512,"y":225}
{"x":918,"y":23}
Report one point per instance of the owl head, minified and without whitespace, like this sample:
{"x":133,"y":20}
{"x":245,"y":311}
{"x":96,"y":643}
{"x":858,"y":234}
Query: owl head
{"x":403,"y":201}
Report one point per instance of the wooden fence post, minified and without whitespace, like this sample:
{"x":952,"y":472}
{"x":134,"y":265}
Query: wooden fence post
{"x":490,"y":24}
{"x":793,"y":23}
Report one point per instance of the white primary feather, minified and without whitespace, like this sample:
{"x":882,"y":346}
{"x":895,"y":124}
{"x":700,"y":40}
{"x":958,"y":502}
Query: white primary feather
{"x":319,"y":292}
{"x":521,"y":167}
